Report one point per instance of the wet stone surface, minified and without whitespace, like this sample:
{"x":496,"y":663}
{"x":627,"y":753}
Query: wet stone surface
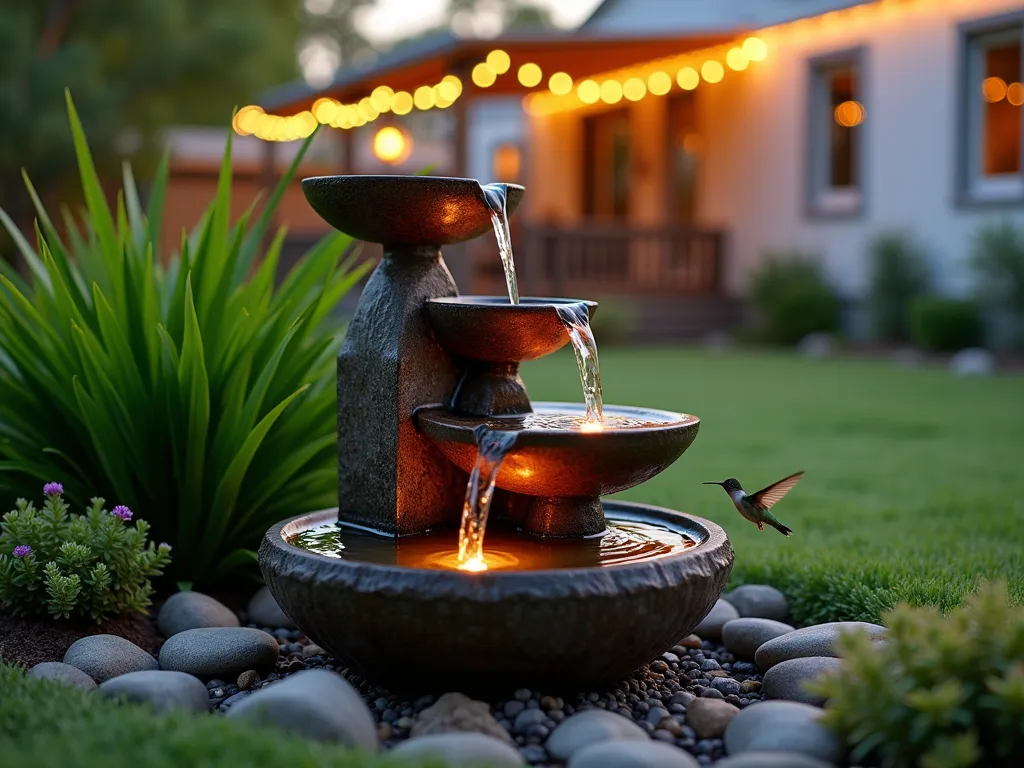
{"x":655,"y":697}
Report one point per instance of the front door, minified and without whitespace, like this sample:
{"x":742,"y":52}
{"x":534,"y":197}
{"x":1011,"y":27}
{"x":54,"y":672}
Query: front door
{"x":685,"y":147}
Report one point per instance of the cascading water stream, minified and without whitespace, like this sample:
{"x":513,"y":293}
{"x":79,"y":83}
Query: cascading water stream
{"x":495,"y":196}
{"x":492,"y":446}
{"x":576,"y":318}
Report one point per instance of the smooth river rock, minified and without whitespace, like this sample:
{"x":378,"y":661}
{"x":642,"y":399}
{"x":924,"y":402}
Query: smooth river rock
{"x":264,"y":611}
{"x":742,"y":637}
{"x":62,"y":673}
{"x":632,"y":754}
{"x":315,"y":704}
{"x":758,"y":601}
{"x":160,"y":689}
{"x":456,"y":712}
{"x":219,"y":652}
{"x":818,"y":640}
{"x":782,"y":726}
{"x":772,"y":760}
{"x":785,"y":680}
{"x":193,"y":610}
{"x":457,"y":750}
{"x":590,"y":727}
{"x":103,"y":657}
{"x":710,"y":627}
{"x":710,"y":717}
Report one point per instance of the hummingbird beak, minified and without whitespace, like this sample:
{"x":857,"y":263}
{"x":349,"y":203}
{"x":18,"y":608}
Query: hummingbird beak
{"x":712,"y":483}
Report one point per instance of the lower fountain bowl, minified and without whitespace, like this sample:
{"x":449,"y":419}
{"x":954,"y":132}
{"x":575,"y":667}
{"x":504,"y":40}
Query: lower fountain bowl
{"x":444,"y":630}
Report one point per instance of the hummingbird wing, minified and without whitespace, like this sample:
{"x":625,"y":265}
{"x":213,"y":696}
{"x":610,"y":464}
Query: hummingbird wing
{"x":768,"y":497}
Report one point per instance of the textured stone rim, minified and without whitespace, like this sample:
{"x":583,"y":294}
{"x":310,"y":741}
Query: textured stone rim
{"x":293,"y":562}
{"x":527,"y":304}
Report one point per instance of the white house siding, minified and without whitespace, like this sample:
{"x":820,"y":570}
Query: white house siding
{"x":756,"y":143}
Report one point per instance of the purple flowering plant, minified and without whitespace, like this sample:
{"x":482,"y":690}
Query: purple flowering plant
{"x":94,"y":565}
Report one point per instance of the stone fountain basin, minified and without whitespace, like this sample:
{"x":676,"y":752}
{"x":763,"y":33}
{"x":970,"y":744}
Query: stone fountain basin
{"x":492,"y":329}
{"x":445,"y":630}
{"x":569,"y":462}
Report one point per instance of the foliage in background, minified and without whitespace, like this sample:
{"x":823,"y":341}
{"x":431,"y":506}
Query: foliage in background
{"x":793,"y":299}
{"x":196,"y":391}
{"x":44,"y":723}
{"x":93,"y":566}
{"x":899,"y":274}
{"x":613,"y":323}
{"x":997,"y":257}
{"x":942,"y":692}
{"x":945,"y":325}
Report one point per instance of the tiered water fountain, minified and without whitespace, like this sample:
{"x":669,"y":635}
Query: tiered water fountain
{"x":471,"y":547}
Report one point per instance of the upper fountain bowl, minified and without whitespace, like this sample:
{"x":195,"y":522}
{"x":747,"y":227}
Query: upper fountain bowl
{"x":405,"y":210}
{"x":493,"y":330}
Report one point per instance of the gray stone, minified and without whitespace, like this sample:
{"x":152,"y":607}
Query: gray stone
{"x":192,"y":610}
{"x":973,"y":362}
{"x":772,"y":760}
{"x":62,"y":673}
{"x":103,"y":657}
{"x":454,"y":712}
{"x":816,"y":345}
{"x":315,"y":704}
{"x":457,"y":750}
{"x":710,"y":717}
{"x":758,"y":601}
{"x":742,"y":637}
{"x":818,"y":640}
{"x":710,"y":627}
{"x":782,"y":726}
{"x":160,"y":689}
{"x":313,"y":650}
{"x":224,"y":652}
{"x":632,"y":754}
{"x":591,"y":727}
{"x":785,"y":680}
{"x":264,"y":611}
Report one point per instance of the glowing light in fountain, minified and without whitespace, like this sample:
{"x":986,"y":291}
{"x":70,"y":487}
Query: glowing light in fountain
{"x":491,"y":450}
{"x":495,"y":196}
{"x":576,"y":318}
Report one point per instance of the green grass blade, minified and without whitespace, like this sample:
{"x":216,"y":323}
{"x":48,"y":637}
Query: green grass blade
{"x":195,"y":402}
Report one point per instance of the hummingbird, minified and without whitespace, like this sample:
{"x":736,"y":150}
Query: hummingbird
{"x":756,"y":507}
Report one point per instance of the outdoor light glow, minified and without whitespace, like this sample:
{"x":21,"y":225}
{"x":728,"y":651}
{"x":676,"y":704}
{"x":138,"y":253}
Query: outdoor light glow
{"x":560,"y":84}
{"x":382,"y":97}
{"x":423,"y":98}
{"x":688,"y":78}
{"x":755,"y":49}
{"x":306,"y":123}
{"x":475,"y":564}
{"x":367,"y":110}
{"x":1015,"y":94}
{"x":390,"y":145}
{"x":659,"y":83}
{"x":611,"y":91}
{"x":588,"y":92}
{"x":736,"y":59}
{"x":506,"y":162}
{"x":849,"y":113}
{"x":499,"y":61}
{"x":402,"y":103}
{"x":484,"y":75}
{"x":712,"y":71}
{"x":247,"y":119}
{"x":451,"y":87}
{"x":529,"y":75}
{"x":634,"y":89}
{"x":591,"y":426}
{"x":693,"y":143}
{"x":993,"y":89}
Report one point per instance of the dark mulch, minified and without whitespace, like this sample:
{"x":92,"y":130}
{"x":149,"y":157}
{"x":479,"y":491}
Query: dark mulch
{"x":27,"y":642}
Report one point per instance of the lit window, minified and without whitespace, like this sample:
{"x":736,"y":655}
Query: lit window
{"x":836,"y":124}
{"x":506,"y":163}
{"x":991,"y":165}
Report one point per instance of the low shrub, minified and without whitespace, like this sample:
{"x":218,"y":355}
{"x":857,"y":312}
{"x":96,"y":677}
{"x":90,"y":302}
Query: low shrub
{"x":945,"y":325}
{"x":188,"y":385}
{"x":793,"y":298}
{"x":942,"y":692}
{"x":93,"y":566}
{"x":899,"y":274}
{"x":997,"y":257}
{"x":613,"y":323}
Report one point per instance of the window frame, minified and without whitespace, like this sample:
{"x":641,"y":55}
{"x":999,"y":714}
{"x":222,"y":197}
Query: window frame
{"x":857,"y":59}
{"x":997,"y":192}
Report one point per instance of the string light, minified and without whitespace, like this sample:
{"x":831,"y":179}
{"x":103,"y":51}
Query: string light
{"x":484,"y":75}
{"x":634,"y":89}
{"x":993,"y":89}
{"x":688,"y":78}
{"x":560,"y":84}
{"x":755,"y":49}
{"x":499,"y":61}
{"x":611,"y":92}
{"x":529,"y":75}
{"x":736,"y":59}
{"x":849,"y":114}
{"x":1015,"y":94}
{"x":402,"y":103}
{"x":381,"y":98}
{"x":589,"y":92}
{"x":659,"y":83}
{"x":712,"y":71}
{"x":423,"y":98}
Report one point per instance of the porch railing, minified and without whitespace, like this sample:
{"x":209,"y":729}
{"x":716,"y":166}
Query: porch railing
{"x":603,"y":260}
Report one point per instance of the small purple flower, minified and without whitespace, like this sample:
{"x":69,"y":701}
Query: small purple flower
{"x":22,"y":550}
{"x":53,"y":489}
{"x":165,"y":545}
{"x":122,"y":511}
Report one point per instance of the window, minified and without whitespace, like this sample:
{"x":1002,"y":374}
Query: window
{"x":836,"y":117}
{"x":607,"y":165}
{"x":994,"y":95}
{"x":685,"y":145}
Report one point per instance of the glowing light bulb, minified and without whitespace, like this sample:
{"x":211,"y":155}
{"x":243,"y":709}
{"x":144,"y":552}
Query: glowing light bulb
{"x":499,"y":61}
{"x":484,"y":75}
{"x":755,"y":49}
{"x":659,"y":83}
{"x":475,"y":564}
{"x":634,"y":89}
{"x":560,"y":84}
{"x":423,"y":98}
{"x":390,"y":145}
{"x":588,"y":92}
{"x":591,"y":426}
{"x":712,"y":71}
{"x":247,"y":119}
{"x":1015,"y":94}
{"x":849,"y":114}
{"x":402,"y":103}
{"x":381,"y":98}
{"x":440,"y":100}
{"x":450,"y":87}
{"x":611,"y":92}
{"x":993,"y":89}
{"x":306,"y":123}
{"x":687,"y":78}
{"x":736,"y":59}
{"x":529,"y":75}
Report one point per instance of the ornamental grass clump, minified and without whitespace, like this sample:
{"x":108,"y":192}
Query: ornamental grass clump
{"x":95,"y":565}
{"x":941,"y":692}
{"x":193,"y":385}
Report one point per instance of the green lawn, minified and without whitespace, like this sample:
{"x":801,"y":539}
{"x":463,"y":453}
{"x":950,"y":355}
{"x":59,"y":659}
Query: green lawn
{"x":915,"y":479}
